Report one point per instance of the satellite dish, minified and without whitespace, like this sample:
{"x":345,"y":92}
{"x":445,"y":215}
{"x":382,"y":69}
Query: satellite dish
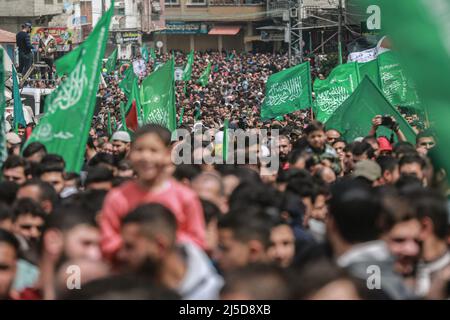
{"x":159,"y":44}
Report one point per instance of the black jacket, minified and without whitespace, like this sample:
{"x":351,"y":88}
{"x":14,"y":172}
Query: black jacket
{"x":23,"y":42}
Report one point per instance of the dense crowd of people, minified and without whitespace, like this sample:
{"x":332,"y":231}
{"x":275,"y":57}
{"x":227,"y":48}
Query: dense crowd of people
{"x":336,"y":219}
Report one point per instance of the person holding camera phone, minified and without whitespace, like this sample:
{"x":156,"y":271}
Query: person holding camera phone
{"x":388,"y":122}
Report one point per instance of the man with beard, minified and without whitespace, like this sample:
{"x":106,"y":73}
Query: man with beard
{"x":285,"y":147}
{"x":149,"y":248}
{"x":121,"y":144}
{"x":9,"y":251}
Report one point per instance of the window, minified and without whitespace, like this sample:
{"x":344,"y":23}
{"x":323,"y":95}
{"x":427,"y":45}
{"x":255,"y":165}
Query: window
{"x":48,"y":2}
{"x":197,"y":2}
{"x":172,"y":2}
{"x":120,"y":11}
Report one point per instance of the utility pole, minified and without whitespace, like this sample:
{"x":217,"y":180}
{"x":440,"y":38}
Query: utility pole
{"x":300,"y":33}
{"x":340,"y":32}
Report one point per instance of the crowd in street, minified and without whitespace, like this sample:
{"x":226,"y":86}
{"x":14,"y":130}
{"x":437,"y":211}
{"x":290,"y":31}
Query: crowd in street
{"x":336,"y":219}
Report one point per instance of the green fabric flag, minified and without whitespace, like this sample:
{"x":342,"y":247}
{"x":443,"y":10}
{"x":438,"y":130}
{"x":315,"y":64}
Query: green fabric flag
{"x":287,"y":91}
{"x":333,"y":91}
{"x":187,"y":72}
{"x":67,"y":62}
{"x":64,"y":129}
{"x":127,"y":82}
{"x":109,"y":124}
{"x":111,"y":63}
{"x":18,"y":108}
{"x":204,"y":78}
{"x":134,"y":100}
{"x":3,"y":152}
{"x":225,"y":140}
{"x":144,"y":52}
{"x":419,"y":31}
{"x":180,"y":122}
{"x":397,"y":86}
{"x":158,"y":96}
{"x":354,"y":117}
{"x":153,"y":54}
{"x":371,"y":70}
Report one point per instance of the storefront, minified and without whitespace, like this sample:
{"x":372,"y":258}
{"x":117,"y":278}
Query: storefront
{"x":127,"y":42}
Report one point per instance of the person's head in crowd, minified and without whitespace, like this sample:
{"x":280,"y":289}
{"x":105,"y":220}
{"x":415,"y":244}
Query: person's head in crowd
{"x":121,"y":141}
{"x":72,"y":180}
{"x":105,"y":160}
{"x":212,"y":214}
{"x":374,"y":143}
{"x":185,"y":173}
{"x":362,"y":151}
{"x":315,"y":135}
{"x":41,"y":192}
{"x":284,"y":147}
{"x":349,"y":161}
{"x":355,"y":216}
{"x":244,"y":238}
{"x":367,"y":171}
{"x":413,"y":165}
{"x":339,"y":145}
{"x":390,"y":172}
{"x":298,"y":158}
{"x":425,"y":141}
{"x":150,"y":154}
{"x":256,"y":282}
{"x":403,"y":148}
{"x":385,"y":147}
{"x":282,"y":244}
{"x":302,"y":185}
{"x":9,"y":254}
{"x":209,"y":186}
{"x":149,"y":238}
{"x":99,"y":178}
{"x":16,"y":169}
{"x":6,"y":217}
{"x":124,"y":169}
{"x":403,"y":239}
{"x":326,"y":174}
{"x":322,"y":280}
{"x":106,"y":147}
{"x":13,"y":143}
{"x":91,"y":149}
{"x":332,"y":136}
{"x":52,"y":172}
{"x":28,"y":220}
{"x":34,"y":152}
{"x":8,"y":192}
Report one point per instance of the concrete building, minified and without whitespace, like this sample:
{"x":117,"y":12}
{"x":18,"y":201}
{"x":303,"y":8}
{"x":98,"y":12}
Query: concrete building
{"x":212,"y":24}
{"x":13,"y":13}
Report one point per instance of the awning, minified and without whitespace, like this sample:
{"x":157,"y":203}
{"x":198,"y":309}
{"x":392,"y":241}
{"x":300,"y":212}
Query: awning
{"x":224,"y":31}
{"x":7,"y":37}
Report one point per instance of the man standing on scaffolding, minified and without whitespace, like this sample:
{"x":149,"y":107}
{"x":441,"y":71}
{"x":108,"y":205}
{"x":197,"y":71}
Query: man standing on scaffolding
{"x":47,"y":49}
{"x":23,"y":42}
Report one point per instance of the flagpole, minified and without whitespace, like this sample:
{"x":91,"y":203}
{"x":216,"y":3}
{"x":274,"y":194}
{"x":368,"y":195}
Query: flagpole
{"x":340,"y":32}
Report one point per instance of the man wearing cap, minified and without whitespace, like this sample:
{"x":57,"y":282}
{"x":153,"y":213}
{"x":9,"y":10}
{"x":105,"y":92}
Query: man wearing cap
{"x":121,"y":144}
{"x":13,"y":142}
{"x":23,"y":42}
{"x":368,"y":171}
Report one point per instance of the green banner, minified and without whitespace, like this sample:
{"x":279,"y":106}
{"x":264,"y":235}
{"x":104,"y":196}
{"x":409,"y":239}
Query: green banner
{"x":64,"y":129}
{"x":111,"y":63}
{"x":158,"y":96}
{"x":18,"y":108}
{"x":187,"y":72}
{"x":287,"y":91}
{"x":204,"y":77}
{"x":354,"y":117}
{"x":127,"y":82}
{"x":333,"y":91}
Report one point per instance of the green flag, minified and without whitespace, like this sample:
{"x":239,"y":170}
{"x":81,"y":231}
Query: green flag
{"x":18,"y":108}
{"x":127,"y":82}
{"x":287,"y":91}
{"x":225,"y":140}
{"x":64,"y":129}
{"x":111,"y":63}
{"x":333,"y":91}
{"x":123,"y":116}
{"x":204,"y":77}
{"x":144,"y":52}
{"x":158,"y":96}
{"x":67,"y":62}
{"x":419,"y":32}
{"x":3,"y":153}
{"x":371,"y":70}
{"x":397,"y":87}
{"x":187,"y":72}
{"x":354,"y":117}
